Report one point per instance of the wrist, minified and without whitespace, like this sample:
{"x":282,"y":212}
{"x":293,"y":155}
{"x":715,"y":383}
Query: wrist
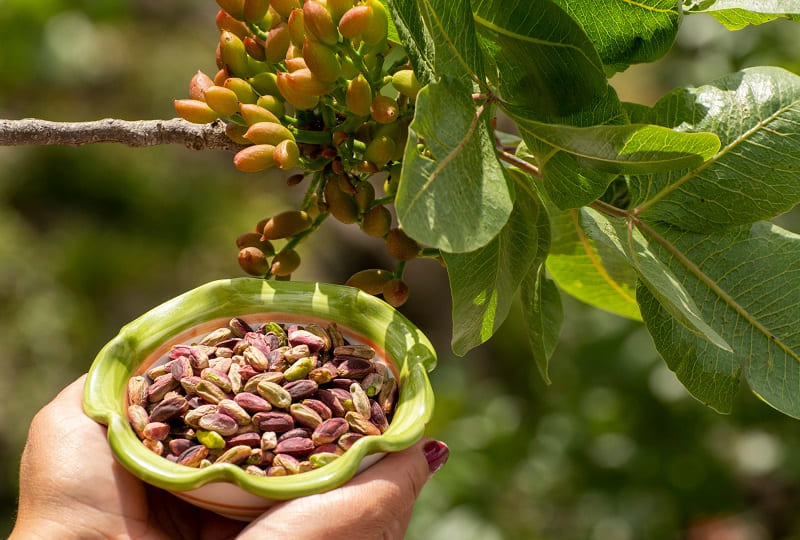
{"x":41,"y":528}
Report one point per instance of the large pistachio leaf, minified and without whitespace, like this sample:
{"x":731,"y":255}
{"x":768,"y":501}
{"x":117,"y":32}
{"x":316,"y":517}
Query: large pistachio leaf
{"x":415,"y":38}
{"x":589,"y":270}
{"x":456,"y":198}
{"x":629,"y":242}
{"x":749,"y":281}
{"x":483,"y":282}
{"x":736,"y":14}
{"x":627,"y":33}
{"x":544,"y":59}
{"x":756,"y":172}
{"x":543,"y":315}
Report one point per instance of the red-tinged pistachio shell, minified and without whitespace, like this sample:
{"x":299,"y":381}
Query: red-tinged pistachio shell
{"x":299,"y":101}
{"x":380,"y":151}
{"x":304,"y":415}
{"x":297,"y":29}
{"x":329,"y":431}
{"x":358,"y":97}
{"x":233,"y":54}
{"x":296,"y":432}
{"x":301,"y":389}
{"x":267,"y":133}
{"x":378,"y":26}
{"x":354,"y":21}
{"x":234,"y":7}
{"x":137,"y":416}
{"x":253,"y":114}
{"x":234,"y":455}
{"x":333,"y":402}
{"x":395,"y":292}
{"x":286,"y":155}
{"x":341,"y":205}
{"x":309,"y":339}
{"x":221,"y":423}
{"x":255,"y":10}
{"x":359,"y":424}
{"x":384,"y":109}
{"x":254,"y":49}
{"x":273,"y":104}
{"x":277,"y":43}
{"x":219,"y":378}
{"x":319,"y":22}
{"x":168,"y":409}
{"x":238,"y":326}
{"x":253,"y":261}
{"x":252,"y":403}
{"x":370,"y":281}
{"x":254,"y":158}
{"x":401,"y":246}
{"x":252,"y":239}
{"x":198,"y":84}
{"x":273,"y":421}
{"x":377,"y":222}
{"x":285,"y":262}
{"x":252,"y":440}
{"x":137,"y":391}
{"x":295,"y":446}
{"x":195,"y":111}
{"x":321,"y":60}
{"x":285,"y":7}
{"x":355,"y":368}
{"x":328,"y":448}
{"x":294,"y":52}
{"x":160,"y":387}
{"x":265,"y":83}
{"x":318,"y":407}
{"x":405,"y":82}
{"x":377,"y":416}
{"x":244,"y":92}
{"x":234,"y":410}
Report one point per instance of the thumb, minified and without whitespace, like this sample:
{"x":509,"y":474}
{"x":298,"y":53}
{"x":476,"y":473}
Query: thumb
{"x":375,"y":504}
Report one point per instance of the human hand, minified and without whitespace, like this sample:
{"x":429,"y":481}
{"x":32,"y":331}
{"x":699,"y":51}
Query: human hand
{"x":71,"y":486}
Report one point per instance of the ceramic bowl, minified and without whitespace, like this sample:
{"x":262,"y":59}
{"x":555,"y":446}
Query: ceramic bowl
{"x":226,"y":488}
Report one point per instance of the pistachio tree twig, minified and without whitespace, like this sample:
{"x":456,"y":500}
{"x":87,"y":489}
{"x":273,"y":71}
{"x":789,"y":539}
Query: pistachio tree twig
{"x":138,"y":133}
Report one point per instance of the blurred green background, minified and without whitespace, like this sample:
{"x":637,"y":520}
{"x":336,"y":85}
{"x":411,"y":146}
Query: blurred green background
{"x":92,"y":237}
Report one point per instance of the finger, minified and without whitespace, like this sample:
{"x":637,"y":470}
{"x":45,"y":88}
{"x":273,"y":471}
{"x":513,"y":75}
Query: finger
{"x":374,"y":502}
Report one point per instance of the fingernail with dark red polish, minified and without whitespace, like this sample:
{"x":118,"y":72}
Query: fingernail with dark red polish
{"x":436,"y":454}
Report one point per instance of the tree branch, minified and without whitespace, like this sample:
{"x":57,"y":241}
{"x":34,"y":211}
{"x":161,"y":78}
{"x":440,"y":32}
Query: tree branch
{"x":140,"y":133}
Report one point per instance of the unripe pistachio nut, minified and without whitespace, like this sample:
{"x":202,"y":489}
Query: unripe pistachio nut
{"x":341,"y":205}
{"x":265,"y":83}
{"x":253,"y":261}
{"x":226,"y":23}
{"x":285,"y":262}
{"x":380,"y":151}
{"x":244,"y":92}
{"x":286,"y":155}
{"x":235,"y":132}
{"x":321,"y":60}
{"x":234,"y":7}
{"x":319,"y":22}
{"x":378,"y":26}
{"x":254,"y":158}
{"x":198,"y":84}
{"x":365,"y":196}
{"x":401,"y":246}
{"x":277,"y":43}
{"x":254,"y":50}
{"x":395,"y":292}
{"x":267,"y":133}
{"x":285,"y":7}
{"x":195,"y":111}
{"x":223,"y":100}
{"x":370,"y":281}
{"x":221,"y":76}
{"x":298,"y":100}
{"x":252,"y":114}
{"x":360,"y":400}
{"x":354,"y":21}
{"x":255,"y":10}
{"x":233,"y":54}
{"x":273,"y":104}
{"x":377,"y":222}
{"x":286,"y":224}
{"x":358,"y":97}
{"x":384,"y":109}
{"x":252,"y":239}
{"x":405,"y":82}
{"x":297,"y":29}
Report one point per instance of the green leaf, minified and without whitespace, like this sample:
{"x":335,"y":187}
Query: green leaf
{"x":736,"y":19}
{"x":456,"y":199}
{"x":456,"y":50}
{"x":737,"y":14}
{"x":623,"y":149}
{"x":588,"y":270}
{"x":415,"y":38}
{"x":652,"y":271}
{"x":483,"y":282}
{"x":627,"y":33}
{"x":543,"y":315}
{"x":544,"y":59}
{"x":756,"y":173}
{"x":749,"y":280}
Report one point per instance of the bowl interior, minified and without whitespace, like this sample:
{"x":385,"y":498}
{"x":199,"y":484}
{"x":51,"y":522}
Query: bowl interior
{"x":362,"y":318}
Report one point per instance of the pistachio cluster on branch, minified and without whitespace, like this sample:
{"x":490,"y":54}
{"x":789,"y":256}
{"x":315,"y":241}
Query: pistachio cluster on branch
{"x":318,"y":87}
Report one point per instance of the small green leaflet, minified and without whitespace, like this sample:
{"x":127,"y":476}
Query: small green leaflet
{"x":483,"y":282}
{"x":749,"y":280}
{"x":543,"y":315}
{"x":630,"y":243}
{"x":457,"y":199}
{"x":588,"y":270}
{"x":415,"y":38}
{"x":755,"y":174}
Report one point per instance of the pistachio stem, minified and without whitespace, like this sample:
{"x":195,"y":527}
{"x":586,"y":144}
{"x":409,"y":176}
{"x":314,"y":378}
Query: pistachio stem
{"x":296,"y":239}
{"x":347,"y":48}
{"x":400,"y":269}
{"x":429,"y":253}
{"x":260,"y":34}
{"x":388,"y":199}
{"x":311,"y":137}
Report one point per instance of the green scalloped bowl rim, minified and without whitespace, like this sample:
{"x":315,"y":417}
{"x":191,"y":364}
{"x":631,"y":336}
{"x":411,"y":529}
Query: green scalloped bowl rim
{"x":411,"y":352}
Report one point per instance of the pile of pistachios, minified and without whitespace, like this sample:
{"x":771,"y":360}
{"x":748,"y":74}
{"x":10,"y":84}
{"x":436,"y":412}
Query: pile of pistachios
{"x":276,"y":400}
